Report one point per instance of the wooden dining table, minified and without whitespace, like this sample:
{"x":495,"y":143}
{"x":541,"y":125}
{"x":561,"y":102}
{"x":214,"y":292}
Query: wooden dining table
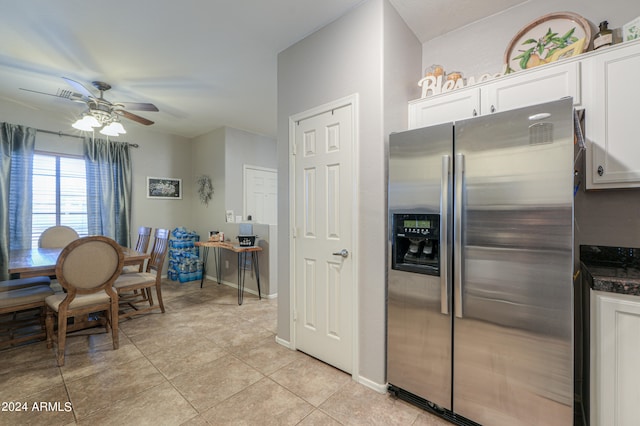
{"x":38,"y":262}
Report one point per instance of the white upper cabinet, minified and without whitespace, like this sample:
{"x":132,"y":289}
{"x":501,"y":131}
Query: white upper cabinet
{"x":612,"y":92}
{"x":545,"y":84}
{"x":456,"y":105}
{"x":605,"y":83}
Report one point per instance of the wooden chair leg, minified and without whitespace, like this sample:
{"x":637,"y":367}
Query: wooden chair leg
{"x":149,"y":295}
{"x":62,"y":337}
{"x":107,"y":323}
{"x":43,"y":316}
{"x":159,"y":294}
{"x":114,"y":323}
{"x":49,"y":326}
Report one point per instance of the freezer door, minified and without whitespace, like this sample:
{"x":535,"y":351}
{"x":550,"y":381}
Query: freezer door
{"x":418,"y":311}
{"x":513,"y":350}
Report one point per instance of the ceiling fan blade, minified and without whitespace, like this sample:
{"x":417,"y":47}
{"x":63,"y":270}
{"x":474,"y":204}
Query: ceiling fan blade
{"x":79,"y":87}
{"x":134,"y":117}
{"x":139,"y":106}
{"x":62,"y":93}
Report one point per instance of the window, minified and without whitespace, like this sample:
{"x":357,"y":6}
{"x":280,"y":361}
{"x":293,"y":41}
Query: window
{"x":59,"y":194}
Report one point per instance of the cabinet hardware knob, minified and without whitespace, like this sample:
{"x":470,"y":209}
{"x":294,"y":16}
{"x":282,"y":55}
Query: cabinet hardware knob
{"x":493,"y":108}
{"x":600,"y":171}
{"x":475,"y":113}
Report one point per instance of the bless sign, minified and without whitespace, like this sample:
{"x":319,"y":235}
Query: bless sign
{"x":435,"y":85}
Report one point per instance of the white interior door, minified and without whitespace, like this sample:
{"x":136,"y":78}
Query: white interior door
{"x":324,"y":195}
{"x":261,"y":194}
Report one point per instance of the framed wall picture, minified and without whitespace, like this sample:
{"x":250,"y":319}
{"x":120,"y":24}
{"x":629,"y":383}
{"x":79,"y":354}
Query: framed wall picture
{"x":164,"y":188}
{"x":631,"y":30}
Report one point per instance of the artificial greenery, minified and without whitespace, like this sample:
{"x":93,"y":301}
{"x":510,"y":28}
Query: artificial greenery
{"x":544,"y":48}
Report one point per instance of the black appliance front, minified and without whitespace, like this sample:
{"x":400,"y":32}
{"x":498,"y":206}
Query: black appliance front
{"x":416,"y":243}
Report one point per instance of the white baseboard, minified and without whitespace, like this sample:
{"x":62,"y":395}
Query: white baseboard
{"x":378,"y":387}
{"x":283,"y":342}
{"x":248,"y":290}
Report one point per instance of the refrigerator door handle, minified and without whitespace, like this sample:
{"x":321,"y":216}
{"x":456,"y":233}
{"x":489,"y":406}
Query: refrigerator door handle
{"x":444,"y":235}
{"x":457,"y":233}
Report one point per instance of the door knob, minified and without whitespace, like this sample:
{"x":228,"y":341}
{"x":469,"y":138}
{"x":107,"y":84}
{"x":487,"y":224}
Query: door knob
{"x":343,"y":253}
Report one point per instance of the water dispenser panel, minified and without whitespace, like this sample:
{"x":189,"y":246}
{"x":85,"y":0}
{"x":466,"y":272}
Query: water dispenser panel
{"x":416,"y":243}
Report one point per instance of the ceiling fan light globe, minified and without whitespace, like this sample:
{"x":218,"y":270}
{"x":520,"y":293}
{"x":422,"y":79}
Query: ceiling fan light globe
{"x":91,"y":121}
{"x":81,"y":124}
{"x":117,"y":126}
{"x":109,"y":131}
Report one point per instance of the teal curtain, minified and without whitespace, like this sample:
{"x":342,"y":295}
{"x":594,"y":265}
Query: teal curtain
{"x":17,"y":145}
{"x":108,"y":189}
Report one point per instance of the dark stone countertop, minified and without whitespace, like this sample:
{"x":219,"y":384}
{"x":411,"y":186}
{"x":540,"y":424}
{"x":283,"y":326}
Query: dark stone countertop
{"x":612,"y":269}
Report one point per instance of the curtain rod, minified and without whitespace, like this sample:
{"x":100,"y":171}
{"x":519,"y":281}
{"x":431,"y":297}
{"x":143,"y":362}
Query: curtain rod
{"x":132,"y":145}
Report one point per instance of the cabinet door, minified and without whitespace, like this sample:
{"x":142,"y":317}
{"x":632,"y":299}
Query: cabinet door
{"x":549,"y":83}
{"x":617,"y":390}
{"x":613,"y":157}
{"x":452,"y":106}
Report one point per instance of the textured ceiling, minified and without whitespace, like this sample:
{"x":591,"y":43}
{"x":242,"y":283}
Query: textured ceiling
{"x":204,"y":63}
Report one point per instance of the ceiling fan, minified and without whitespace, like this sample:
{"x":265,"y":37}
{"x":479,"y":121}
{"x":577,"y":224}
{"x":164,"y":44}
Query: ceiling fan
{"x":104,"y":111}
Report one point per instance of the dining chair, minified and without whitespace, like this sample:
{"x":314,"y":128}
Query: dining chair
{"x":144,"y":281}
{"x":142,"y":245}
{"x":16,"y":301}
{"x":86,"y":269}
{"x":57,"y":237}
{"x":19,"y":283}
{"x":12,"y":302}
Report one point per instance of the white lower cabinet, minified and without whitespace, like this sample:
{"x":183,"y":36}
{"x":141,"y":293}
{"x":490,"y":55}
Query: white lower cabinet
{"x":615,"y":370}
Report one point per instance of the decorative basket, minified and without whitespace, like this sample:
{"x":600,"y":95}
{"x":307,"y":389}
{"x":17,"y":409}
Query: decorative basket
{"x":247,"y":240}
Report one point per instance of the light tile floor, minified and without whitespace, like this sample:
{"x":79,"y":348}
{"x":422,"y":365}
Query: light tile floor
{"x":206,"y":361}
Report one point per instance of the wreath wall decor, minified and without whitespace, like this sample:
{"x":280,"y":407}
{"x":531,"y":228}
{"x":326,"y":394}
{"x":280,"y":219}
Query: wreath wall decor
{"x":205,"y":189}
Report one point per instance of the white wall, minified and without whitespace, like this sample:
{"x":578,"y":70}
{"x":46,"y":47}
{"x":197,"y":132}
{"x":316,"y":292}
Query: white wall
{"x":164,"y":156}
{"x":221,"y":154}
{"x":208,"y":158}
{"x":245,"y":148}
{"x":344,"y":58}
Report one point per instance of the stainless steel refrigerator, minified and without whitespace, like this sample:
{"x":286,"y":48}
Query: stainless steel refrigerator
{"x":480,"y":277}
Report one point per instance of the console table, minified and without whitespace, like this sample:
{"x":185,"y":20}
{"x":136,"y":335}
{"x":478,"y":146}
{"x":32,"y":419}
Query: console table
{"x":242,"y":256}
